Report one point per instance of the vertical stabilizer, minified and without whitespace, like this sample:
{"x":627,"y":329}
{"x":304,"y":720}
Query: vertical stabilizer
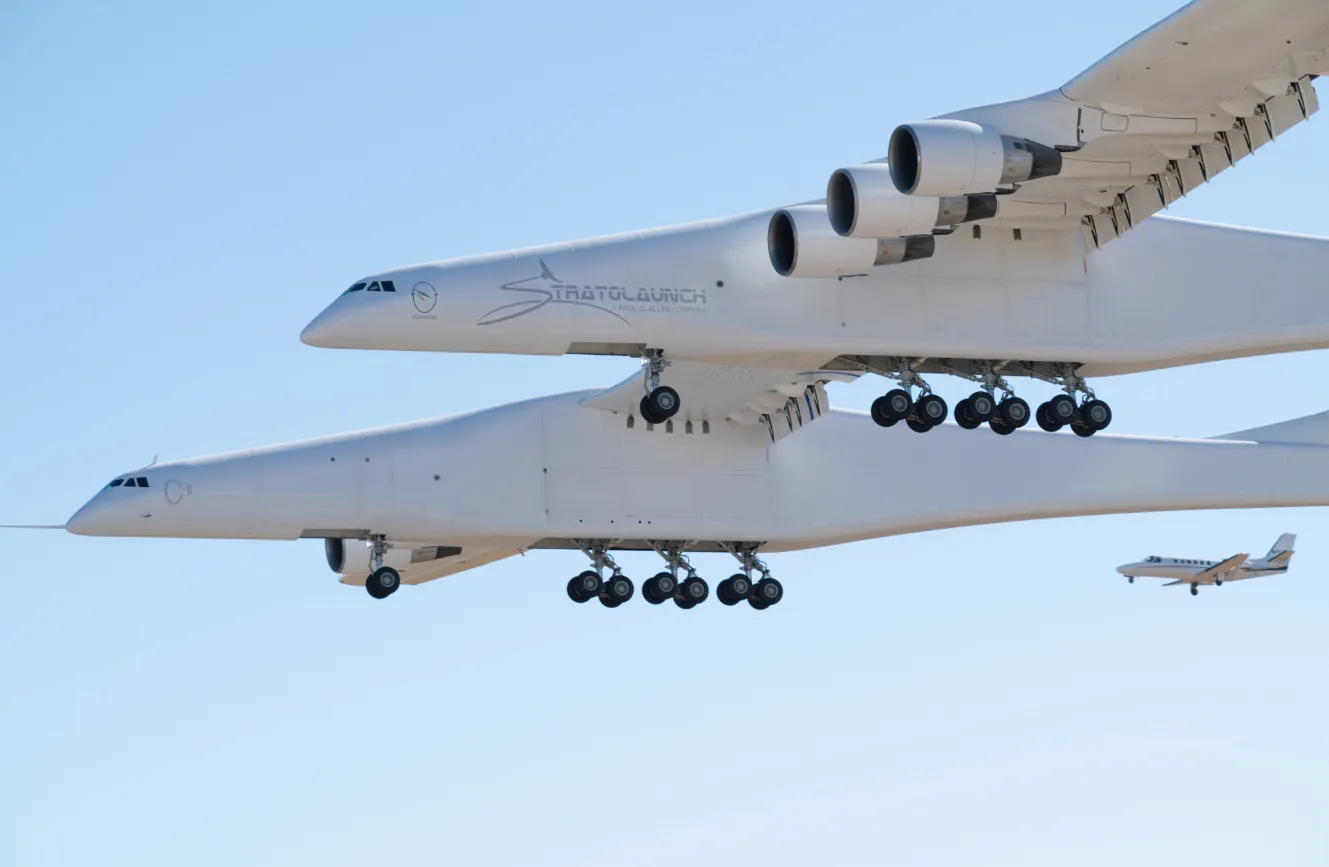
{"x":1281,"y":553}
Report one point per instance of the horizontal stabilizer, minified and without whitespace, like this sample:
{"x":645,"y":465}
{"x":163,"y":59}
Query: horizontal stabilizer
{"x":1307,"y":430}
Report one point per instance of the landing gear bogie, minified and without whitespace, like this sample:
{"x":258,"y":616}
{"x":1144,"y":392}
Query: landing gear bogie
{"x":617,"y":590}
{"x":733,"y":589}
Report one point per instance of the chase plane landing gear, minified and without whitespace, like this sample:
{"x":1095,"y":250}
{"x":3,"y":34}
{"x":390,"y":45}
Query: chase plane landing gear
{"x":898,"y":404}
{"x":1195,"y":590}
{"x":1084,"y":420}
{"x":384,"y":580}
{"x":661,"y":402}
{"x":612,"y":592}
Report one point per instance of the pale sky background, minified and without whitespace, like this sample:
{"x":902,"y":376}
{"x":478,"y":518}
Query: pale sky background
{"x":185,"y":185}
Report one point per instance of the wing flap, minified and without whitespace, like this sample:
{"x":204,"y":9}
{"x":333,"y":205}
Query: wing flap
{"x":777,"y":400}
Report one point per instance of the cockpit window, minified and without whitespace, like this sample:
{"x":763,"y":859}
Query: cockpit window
{"x":382,"y":286}
{"x":142,"y":482}
{"x":116,"y":483}
{"x":356,"y":288}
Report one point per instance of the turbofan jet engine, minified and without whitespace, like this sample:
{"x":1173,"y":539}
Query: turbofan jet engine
{"x":956,"y":157}
{"x":802,"y":243}
{"x":353,"y":557}
{"x":862,"y":202}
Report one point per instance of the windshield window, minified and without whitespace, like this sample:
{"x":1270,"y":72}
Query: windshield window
{"x":356,"y":288}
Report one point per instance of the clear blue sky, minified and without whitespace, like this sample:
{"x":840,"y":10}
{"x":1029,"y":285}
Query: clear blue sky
{"x":185,"y":185}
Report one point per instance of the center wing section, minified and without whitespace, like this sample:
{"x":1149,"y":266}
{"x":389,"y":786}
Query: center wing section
{"x":777,"y":401}
{"x":1220,"y":571}
{"x":1166,"y":112}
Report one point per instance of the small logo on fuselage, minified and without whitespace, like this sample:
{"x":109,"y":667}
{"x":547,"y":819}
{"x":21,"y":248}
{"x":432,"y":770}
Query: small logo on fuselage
{"x":614,"y":300}
{"x":425,"y":296}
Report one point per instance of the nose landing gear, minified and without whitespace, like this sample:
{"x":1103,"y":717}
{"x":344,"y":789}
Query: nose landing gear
{"x":661,"y":402}
{"x":384,"y":580}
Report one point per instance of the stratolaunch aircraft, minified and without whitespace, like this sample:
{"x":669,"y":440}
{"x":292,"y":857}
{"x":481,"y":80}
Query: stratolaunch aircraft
{"x":1197,"y":572}
{"x":1008,"y":240}
{"x":415,"y":502}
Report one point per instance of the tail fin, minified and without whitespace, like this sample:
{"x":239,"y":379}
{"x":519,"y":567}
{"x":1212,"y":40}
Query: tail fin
{"x":1281,"y":553}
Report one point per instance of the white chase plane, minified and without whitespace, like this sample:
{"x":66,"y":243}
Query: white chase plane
{"x":1197,"y":572}
{"x":415,"y":502}
{"x":1010,"y":240}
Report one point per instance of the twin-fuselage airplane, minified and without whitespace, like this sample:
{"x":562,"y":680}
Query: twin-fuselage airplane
{"x":1196,"y":572}
{"x":1008,"y":240}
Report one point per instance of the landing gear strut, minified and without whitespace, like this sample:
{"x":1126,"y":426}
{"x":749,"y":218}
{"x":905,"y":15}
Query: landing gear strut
{"x":384,"y":580}
{"x":1004,"y":416}
{"x":1087,"y":419}
{"x":660,"y":402}
{"x":613,"y":591}
{"x":761,"y":594}
{"x":898,"y":404}
{"x":688,"y":593}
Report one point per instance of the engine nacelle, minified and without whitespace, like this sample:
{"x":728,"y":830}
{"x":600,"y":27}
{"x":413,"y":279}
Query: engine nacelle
{"x":862,"y":202}
{"x":956,"y":157}
{"x":353,"y":557}
{"x":802,"y":243}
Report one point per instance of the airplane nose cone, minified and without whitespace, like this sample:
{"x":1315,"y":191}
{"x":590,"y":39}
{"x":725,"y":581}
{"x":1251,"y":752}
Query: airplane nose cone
{"x":94,"y":519}
{"x":326,"y":329}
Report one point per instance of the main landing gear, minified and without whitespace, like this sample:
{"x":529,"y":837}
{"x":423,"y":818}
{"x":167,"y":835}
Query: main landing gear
{"x":384,"y":580}
{"x":761,"y":594}
{"x":1003,"y":416}
{"x":899,"y":405}
{"x":678,"y":582}
{"x":612,"y":592}
{"x":661,"y":402}
{"x":1084,"y":420}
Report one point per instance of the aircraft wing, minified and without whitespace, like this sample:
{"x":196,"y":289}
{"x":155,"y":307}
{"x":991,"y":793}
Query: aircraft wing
{"x":1220,"y":571}
{"x":775,"y":400}
{"x":441,"y":567}
{"x":1164,"y":113}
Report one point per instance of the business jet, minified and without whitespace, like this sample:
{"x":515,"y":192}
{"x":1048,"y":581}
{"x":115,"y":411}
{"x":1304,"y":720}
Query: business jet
{"x":582,"y":471}
{"x":1215,"y":572}
{"x":1004,"y":241}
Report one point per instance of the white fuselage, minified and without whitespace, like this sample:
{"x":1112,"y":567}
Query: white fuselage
{"x":544,"y":471}
{"x":1186,"y":570}
{"x":1168,"y":293}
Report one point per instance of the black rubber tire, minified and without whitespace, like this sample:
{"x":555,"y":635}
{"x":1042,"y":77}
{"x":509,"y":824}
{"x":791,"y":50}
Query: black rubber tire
{"x":768,"y":591}
{"x":724,"y":593}
{"x":1096,"y":414}
{"x":878,"y":413}
{"x":1062,"y":409}
{"x":917,"y":426}
{"x":1000,"y":427}
{"x":383,"y":582}
{"x":1045,"y":420}
{"x":664,"y":403}
{"x":587,"y":584}
{"x":981,"y":406}
{"x":647,"y":413}
{"x":572,"y":591}
{"x":1081,"y":430}
{"x":1195,"y":591}
{"x":693,"y":590}
{"x":684,"y":605}
{"x":1014,"y":411}
{"x":617,"y":590}
{"x":897,"y":404}
{"x":758,"y":604}
{"x":1130,"y":579}
{"x":962,"y":417}
{"x":649,"y":593}
{"x":658,"y":588}
{"x":930,"y":409}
